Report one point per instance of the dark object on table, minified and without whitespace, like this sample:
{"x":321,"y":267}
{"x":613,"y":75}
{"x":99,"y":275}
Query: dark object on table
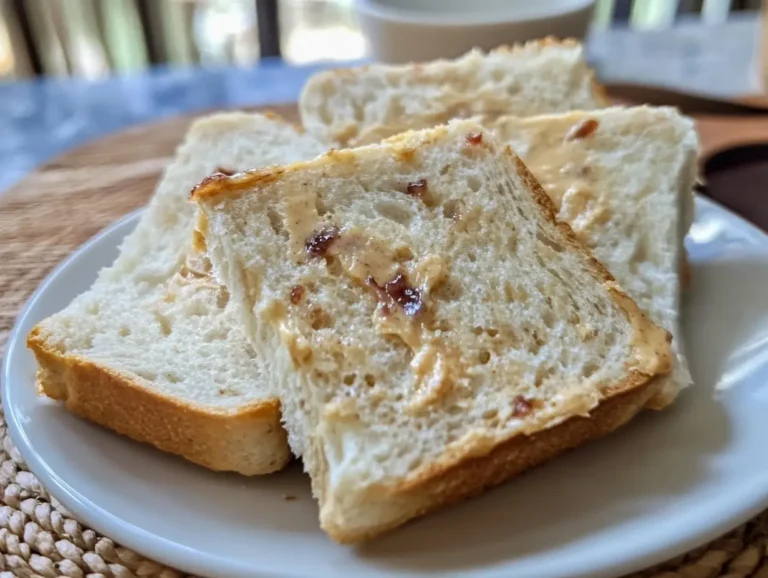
{"x":738,"y":179}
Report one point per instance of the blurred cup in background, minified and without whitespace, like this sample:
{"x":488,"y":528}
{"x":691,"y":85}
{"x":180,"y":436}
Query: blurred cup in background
{"x":400,"y":31}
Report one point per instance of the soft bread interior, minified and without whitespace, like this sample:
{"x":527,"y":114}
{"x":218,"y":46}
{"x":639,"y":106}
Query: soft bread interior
{"x":419,"y":306}
{"x":361,"y":106}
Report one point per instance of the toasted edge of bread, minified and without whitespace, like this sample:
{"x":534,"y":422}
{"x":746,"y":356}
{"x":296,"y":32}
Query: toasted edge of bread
{"x":216,"y":439}
{"x":474,"y":475}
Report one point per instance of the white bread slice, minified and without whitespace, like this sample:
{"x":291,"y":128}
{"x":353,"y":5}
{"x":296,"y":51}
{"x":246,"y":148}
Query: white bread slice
{"x":152,"y":350}
{"x":622,"y":178}
{"x":350,"y":107}
{"x":434,"y":329}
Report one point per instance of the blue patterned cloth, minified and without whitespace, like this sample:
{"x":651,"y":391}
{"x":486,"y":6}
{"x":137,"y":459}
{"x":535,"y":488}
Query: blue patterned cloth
{"x":41,"y":119}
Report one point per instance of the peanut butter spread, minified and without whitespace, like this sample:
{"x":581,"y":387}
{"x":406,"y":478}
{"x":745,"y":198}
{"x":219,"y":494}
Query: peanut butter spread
{"x":650,"y":343}
{"x":401,"y":284}
{"x":364,"y":257}
{"x":558,"y":156}
{"x":301,"y":219}
{"x":403,"y":292}
{"x":435,"y":368}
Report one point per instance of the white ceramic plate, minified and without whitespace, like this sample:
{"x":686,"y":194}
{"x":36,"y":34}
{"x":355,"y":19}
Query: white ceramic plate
{"x":665,"y":484}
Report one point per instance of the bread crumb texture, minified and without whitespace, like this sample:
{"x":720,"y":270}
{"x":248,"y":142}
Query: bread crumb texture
{"x":443,"y":310}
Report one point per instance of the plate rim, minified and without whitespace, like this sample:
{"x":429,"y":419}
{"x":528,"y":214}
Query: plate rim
{"x":175,"y":555}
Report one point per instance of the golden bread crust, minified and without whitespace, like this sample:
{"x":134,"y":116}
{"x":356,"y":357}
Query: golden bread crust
{"x":216,"y":439}
{"x":477,"y":474}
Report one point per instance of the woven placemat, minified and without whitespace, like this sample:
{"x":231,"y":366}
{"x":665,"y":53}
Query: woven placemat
{"x":46,"y":217}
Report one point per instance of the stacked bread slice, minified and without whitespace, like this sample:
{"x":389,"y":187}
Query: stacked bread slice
{"x":153,"y":350}
{"x":444,"y":319}
{"x":433,"y":312}
{"x":351,"y":107}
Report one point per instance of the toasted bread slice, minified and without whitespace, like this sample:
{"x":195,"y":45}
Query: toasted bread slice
{"x":152,"y":350}
{"x":434,"y":329}
{"x":623,"y":179}
{"x":350,"y":107}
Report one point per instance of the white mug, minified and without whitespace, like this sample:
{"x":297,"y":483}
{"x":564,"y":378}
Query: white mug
{"x":400,"y":31}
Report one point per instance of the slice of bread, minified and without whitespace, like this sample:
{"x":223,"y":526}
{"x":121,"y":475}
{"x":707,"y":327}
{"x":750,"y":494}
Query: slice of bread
{"x":434,"y":329}
{"x":350,"y":107}
{"x":623,"y":179}
{"x":153,"y":349}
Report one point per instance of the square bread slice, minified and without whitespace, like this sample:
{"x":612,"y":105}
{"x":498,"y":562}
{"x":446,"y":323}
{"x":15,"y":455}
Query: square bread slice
{"x":433,"y":328}
{"x":623,"y":179}
{"x":350,"y":107}
{"x":153,"y":350}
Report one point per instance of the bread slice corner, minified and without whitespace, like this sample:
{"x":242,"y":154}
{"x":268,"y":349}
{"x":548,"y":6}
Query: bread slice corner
{"x":249,"y":440}
{"x":623,"y":178}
